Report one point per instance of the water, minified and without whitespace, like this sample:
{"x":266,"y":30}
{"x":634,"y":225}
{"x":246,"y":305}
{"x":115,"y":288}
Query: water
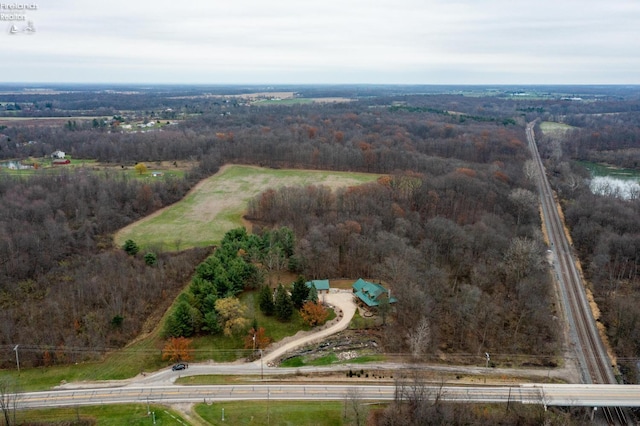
{"x":610,"y":186}
{"x":611,"y":181}
{"x":15,"y":165}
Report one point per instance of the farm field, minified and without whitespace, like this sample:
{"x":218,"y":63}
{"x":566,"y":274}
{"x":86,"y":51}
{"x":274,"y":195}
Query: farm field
{"x":552,"y":128}
{"x":217,"y":204}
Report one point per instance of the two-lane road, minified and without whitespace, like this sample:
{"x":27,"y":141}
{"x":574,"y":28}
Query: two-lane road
{"x":542,"y":394}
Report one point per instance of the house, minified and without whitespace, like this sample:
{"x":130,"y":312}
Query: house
{"x":371,"y":294}
{"x":58,"y":154}
{"x":322,"y":286}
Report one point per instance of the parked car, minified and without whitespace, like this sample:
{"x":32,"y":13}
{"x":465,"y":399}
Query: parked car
{"x":179,"y":366}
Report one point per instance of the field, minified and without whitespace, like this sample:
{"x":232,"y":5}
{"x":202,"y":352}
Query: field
{"x":554,"y":129}
{"x":107,"y":415}
{"x":217,"y":204}
{"x":155,"y":170}
{"x":319,"y":413}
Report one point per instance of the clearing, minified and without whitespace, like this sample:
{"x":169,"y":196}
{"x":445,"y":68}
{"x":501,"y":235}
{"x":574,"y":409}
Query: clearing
{"x":216,"y":205}
{"x":554,"y":129}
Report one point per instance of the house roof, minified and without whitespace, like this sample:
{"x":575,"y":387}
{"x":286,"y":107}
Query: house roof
{"x":319,"y":284}
{"x":370,"y":293}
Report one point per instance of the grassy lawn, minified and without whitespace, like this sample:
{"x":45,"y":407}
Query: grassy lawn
{"x":552,"y":128}
{"x":216,"y":205}
{"x":360,"y":323}
{"x":320,"y":413}
{"x":122,"y":364}
{"x":106,"y":415}
{"x":303,"y":361}
{"x":222,"y":379}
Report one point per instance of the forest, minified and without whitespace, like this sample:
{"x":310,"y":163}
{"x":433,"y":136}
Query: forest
{"x":452,"y":228}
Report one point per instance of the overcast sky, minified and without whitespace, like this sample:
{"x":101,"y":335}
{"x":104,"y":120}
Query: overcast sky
{"x":327,"y":41}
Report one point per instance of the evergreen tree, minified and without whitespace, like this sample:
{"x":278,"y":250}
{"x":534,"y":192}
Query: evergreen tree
{"x":180,"y":322}
{"x":313,"y":294}
{"x":211,"y":322}
{"x":131,"y":247}
{"x":151,"y":259}
{"x":266,"y":301}
{"x":284,"y":305}
{"x":300,"y":292}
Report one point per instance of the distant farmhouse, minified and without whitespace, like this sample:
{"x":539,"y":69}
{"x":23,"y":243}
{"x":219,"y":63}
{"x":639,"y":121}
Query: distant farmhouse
{"x":371,"y":294}
{"x":58,"y":155}
{"x":322,"y":286}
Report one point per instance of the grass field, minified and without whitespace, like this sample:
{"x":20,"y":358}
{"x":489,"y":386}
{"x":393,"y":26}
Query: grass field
{"x":552,"y":128}
{"x":216,"y":205}
{"x":106,"y":415}
{"x":317,"y":413}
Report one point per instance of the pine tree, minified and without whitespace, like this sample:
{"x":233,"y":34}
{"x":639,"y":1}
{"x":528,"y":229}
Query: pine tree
{"x":313,"y":294}
{"x":266,"y":301}
{"x":180,"y":322}
{"x":300,"y":292}
{"x":284,"y":305}
{"x":131,"y":247}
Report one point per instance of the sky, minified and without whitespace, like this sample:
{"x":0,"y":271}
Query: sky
{"x":321,"y":42}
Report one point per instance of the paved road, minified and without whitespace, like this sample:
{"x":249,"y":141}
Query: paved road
{"x":543,"y":394}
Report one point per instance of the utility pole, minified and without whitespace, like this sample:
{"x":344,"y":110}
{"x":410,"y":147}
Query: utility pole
{"x":17,"y":358}
{"x":261,"y":366}
{"x":486,"y":354}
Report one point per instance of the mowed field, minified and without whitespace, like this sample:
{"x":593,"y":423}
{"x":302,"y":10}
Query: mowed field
{"x":553,"y":129}
{"x":217,"y":204}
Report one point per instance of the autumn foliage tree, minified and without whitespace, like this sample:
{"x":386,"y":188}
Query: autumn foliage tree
{"x":141,"y":168}
{"x":231,"y":314}
{"x":177,"y":349}
{"x":256,"y":339}
{"x":313,"y":313}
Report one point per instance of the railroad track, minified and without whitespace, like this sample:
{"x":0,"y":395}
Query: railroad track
{"x":593,"y":359}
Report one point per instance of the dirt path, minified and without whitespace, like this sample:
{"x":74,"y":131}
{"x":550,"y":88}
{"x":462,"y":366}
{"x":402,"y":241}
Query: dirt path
{"x":344,"y":306}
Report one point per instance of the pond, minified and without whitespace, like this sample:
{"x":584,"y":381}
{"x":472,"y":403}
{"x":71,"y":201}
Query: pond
{"x":14,"y":165}
{"x":613,"y":181}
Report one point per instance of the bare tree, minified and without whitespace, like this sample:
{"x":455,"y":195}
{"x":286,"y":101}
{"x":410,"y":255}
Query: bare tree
{"x":419,"y":338}
{"x":8,"y":400}
{"x":353,"y":405}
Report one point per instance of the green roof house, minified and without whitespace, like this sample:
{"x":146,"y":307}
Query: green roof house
{"x":370,"y":294}
{"x":322,"y":286}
